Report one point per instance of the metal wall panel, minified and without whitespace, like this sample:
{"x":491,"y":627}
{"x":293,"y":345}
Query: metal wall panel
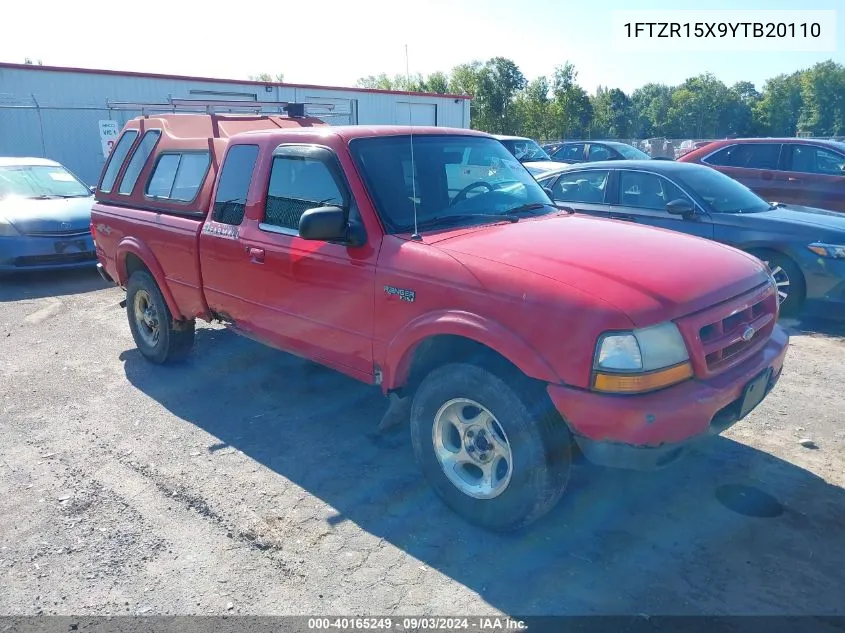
{"x":55,"y":113}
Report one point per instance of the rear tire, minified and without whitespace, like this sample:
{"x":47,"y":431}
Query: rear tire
{"x":467,"y":421}
{"x":157,"y":337}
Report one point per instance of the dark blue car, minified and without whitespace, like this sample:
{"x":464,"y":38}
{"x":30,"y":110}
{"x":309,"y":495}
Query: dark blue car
{"x":45,"y":217}
{"x":804,"y":247}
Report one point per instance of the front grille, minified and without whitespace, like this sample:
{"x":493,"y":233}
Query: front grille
{"x":67,"y":233}
{"x":49,"y":260}
{"x":722,"y":336}
{"x":723,"y":340}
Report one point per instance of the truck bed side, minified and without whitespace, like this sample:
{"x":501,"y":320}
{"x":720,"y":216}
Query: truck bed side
{"x":167,"y":245}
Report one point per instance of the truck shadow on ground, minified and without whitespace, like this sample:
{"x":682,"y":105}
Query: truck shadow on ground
{"x":54,"y":283}
{"x":729,"y":530}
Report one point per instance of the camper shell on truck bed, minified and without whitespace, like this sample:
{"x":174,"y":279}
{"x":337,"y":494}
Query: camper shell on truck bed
{"x":429,"y":263}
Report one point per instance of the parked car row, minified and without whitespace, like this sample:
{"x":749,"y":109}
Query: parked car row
{"x":804,"y":247}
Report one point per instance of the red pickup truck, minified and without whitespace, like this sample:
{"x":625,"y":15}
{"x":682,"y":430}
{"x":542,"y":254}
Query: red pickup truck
{"x":508,"y":332}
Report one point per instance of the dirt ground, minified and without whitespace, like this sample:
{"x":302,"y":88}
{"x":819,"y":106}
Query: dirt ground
{"x":247,"y":481}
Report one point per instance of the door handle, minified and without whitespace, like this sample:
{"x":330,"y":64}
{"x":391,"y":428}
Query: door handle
{"x":791,"y":179}
{"x":619,"y":216}
{"x":256,"y":255}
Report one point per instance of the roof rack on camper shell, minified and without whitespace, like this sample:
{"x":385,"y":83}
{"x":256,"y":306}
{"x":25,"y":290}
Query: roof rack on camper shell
{"x":213,"y":106}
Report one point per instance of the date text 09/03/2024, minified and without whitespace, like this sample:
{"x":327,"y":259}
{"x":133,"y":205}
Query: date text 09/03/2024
{"x":416,"y":624}
{"x":722,"y":29}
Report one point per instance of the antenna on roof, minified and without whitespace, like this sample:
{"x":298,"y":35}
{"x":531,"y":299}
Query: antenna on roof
{"x":416,"y":235}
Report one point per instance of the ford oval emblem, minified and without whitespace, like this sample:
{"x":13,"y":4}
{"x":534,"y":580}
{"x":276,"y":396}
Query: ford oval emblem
{"x":748,"y":334}
{"x":65,"y":226}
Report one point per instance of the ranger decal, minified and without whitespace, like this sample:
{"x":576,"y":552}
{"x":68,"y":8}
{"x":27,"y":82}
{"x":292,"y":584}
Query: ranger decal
{"x":404,"y":294}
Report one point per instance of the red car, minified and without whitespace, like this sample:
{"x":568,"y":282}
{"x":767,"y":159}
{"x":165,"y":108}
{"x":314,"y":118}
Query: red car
{"x":502,"y":328}
{"x":798,"y":171}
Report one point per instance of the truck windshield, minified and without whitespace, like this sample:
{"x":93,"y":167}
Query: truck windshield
{"x":465,"y":178}
{"x":40,"y":181}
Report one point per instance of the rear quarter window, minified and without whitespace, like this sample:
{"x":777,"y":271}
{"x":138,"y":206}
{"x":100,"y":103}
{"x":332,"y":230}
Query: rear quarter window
{"x":116,"y":159}
{"x":138,"y":160}
{"x":178,"y":176}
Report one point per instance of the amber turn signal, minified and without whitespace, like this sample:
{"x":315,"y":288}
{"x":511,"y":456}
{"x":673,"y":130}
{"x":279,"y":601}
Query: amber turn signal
{"x":641,"y":383}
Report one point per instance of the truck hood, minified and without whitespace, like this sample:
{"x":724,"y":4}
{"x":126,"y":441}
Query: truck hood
{"x":646,"y":273}
{"x":53,"y":215}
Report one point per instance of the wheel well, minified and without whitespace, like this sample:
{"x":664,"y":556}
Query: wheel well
{"x":761,"y":253}
{"x":448,"y":348}
{"x":133,"y":263}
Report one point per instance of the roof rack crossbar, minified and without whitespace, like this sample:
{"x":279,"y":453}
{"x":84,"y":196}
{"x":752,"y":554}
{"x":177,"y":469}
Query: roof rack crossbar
{"x":291,"y":108}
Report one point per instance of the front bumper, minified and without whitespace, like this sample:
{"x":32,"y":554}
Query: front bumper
{"x":46,"y":252}
{"x":651,"y":430}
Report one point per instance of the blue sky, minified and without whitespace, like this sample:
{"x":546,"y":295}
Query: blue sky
{"x":344,"y":40}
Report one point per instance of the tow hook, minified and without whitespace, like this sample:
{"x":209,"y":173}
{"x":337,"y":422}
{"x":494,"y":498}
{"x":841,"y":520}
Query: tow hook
{"x":122,"y":303}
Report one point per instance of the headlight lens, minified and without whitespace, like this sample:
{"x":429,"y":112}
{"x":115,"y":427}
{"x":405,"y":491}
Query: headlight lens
{"x":641,"y":360}
{"x":834,"y":251}
{"x":6,"y":228}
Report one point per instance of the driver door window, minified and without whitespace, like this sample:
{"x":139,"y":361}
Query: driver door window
{"x":296,"y":185}
{"x":599,"y":152}
{"x":586,"y":186}
{"x":570,"y":153}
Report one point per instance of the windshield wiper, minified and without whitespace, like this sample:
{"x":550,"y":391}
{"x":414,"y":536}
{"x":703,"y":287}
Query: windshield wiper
{"x":446,"y":220}
{"x":533,"y":206}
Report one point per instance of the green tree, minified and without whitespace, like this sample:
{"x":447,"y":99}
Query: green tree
{"x":437,"y":82}
{"x":268,"y":78}
{"x":650,"y":105}
{"x":698,"y":107}
{"x":823,"y":99}
{"x":499,"y":79}
{"x":613,"y":114}
{"x":532,"y":110}
{"x":571,"y":109}
{"x":777,"y":111}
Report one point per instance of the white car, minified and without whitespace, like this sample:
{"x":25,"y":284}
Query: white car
{"x":528,"y":152}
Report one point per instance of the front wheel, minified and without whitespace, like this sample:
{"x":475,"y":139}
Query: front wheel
{"x":156,"y":335}
{"x":789,"y":281}
{"x":495,"y":455}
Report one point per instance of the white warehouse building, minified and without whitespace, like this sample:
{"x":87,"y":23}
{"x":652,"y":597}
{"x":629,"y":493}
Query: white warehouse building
{"x":56,"y":113}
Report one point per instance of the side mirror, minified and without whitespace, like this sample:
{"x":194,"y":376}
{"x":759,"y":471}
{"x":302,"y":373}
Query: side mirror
{"x":327,"y":224}
{"x":680,"y":207}
{"x":93,"y":188}
{"x":549,"y":192}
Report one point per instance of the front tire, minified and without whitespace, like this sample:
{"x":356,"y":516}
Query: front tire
{"x":157,"y":337}
{"x":792,"y":289}
{"x":493,"y":451}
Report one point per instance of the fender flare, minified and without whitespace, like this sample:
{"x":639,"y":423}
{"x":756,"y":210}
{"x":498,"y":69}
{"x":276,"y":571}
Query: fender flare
{"x":143,"y":252}
{"x":400,"y":350}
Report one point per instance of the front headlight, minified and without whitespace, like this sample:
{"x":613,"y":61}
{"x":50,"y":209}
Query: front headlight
{"x":7,"y":229}
{"x":833,"y":251}
{"x":641,"y":360}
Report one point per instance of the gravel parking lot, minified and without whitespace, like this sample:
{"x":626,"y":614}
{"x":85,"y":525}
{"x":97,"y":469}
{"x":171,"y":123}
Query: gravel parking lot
{"x":248,"y":481}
